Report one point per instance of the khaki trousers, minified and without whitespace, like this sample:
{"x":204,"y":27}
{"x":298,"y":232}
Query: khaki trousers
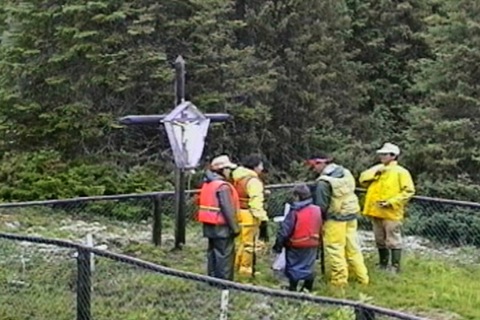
{"x":388,"y":233}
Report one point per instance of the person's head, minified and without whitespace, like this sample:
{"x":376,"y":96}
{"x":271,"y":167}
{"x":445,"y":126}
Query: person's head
{"x":222,"y":165}
{"x":319,"y":162}
{"x":253,"y":162}
{"x":388,"y":153}
{"x":302,"y":192}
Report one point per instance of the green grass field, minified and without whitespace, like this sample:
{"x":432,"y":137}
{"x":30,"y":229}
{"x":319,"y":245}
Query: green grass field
{"x":38,"y":282}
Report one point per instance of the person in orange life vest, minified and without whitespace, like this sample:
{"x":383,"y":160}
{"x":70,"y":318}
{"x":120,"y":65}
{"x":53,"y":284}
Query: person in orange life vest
{"x":218,"y":206}
{"x":252,"y":212}
{"x":300,"y":235}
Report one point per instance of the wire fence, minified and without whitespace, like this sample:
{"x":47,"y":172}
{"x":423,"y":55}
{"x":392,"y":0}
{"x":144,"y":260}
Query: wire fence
{"x":114,"y":220}
{"x":46,"y":279}
{"x":54,"y":279}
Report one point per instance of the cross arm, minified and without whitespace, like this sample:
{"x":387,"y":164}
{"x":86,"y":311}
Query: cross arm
{"x":157,"y":119}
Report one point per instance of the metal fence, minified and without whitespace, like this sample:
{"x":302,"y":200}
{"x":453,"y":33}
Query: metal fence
{"x":431,"y":222}
{"x":60,"y":282}
{"x":42,"y":282}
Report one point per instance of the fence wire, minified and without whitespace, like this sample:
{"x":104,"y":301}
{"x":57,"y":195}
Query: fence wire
{"x":117,"y":221}
{"x":53,"y":279}
{"x":37,"y":281}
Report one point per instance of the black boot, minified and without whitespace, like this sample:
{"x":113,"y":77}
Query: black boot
{"x":396,"y":258}
{"x":293,"y":285}
{"x":384,"y":257}
{"x":307,"y":286}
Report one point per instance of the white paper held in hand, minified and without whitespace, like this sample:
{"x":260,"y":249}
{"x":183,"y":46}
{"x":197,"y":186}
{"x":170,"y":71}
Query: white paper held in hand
{"x":280,"y":261}
{"x":286,"y":210}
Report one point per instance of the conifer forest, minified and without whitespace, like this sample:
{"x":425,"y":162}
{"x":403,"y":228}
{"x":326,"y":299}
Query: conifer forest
{"x":298,"y":76}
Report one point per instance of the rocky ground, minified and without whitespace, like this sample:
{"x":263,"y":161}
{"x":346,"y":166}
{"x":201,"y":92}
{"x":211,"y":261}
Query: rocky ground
{"x":117,"y":235}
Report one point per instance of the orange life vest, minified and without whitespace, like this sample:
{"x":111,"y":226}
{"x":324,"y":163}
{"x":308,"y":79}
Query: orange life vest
{"x":307,"y":229}
{"x":209,"y":209}
{"x":241,"y":187}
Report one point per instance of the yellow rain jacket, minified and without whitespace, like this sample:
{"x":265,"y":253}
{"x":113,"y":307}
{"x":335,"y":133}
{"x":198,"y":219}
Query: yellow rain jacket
{"x":252,"y":212}
{"x":255,"y":190}
{"x":391,"y":183}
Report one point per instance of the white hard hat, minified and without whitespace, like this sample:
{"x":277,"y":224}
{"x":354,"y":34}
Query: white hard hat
{"x":222,"y":162}
{"x":389,"y":148}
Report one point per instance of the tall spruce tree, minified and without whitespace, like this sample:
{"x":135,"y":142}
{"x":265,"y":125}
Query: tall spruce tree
{"x":224,"y":76}
{"x":445,"y":131}
{"x":70,"y":70}
{"x":315,"y":99}
{"x":386,"y":40}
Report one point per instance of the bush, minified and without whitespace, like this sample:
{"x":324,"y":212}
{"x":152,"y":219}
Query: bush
{"x":44,"y":175}
{"x":444,"y":224}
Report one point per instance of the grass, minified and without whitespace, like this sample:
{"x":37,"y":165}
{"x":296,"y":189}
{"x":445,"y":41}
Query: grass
{"x":37,"y":282}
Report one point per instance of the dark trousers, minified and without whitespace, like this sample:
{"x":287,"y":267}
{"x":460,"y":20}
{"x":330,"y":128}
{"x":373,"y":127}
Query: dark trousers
{"x":221,"y":258}
{"x":307,"y":284}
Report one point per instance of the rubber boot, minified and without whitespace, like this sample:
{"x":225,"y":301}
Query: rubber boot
{"x":292,"y":286}
{"x":307,"y":286}
{"x":396,"y":258}
{"x":384,"y":257}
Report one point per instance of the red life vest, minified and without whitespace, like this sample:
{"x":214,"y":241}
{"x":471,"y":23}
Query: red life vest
{"x":307,"y":229}
{"x":209,"y":208}
{"x":241,"y":187}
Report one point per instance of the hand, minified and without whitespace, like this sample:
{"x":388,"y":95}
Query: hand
{"x":383,"y":204}
{"x":380,"y":170}
{"x":236,"y":233}
{"x":277,"y":248}
{"x":263,"y":234}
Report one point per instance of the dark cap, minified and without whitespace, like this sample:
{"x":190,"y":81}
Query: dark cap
{"x":302,"y":191}
{"x":319,"y":158}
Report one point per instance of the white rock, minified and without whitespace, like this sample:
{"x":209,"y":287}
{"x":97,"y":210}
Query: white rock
{"x":12,"y":225}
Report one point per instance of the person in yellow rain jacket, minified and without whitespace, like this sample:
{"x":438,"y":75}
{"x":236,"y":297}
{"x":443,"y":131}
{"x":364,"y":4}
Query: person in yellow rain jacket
{"x":252,"y":212}
{"x":389,"y":188}
{"x":335,"y":195}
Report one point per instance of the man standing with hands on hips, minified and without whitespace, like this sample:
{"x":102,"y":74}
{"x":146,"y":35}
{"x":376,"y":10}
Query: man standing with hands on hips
{"x":389,"y":188}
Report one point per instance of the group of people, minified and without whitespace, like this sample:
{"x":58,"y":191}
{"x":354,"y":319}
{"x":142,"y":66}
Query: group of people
{"x":232,"y":211}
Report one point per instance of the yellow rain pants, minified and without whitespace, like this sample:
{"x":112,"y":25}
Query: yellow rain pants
{"x":249,"y":218}
{"x":342,"y":253}
{"x":246,"y":242}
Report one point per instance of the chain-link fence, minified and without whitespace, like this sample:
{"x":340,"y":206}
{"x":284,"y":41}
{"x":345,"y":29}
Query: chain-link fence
{"x":51,"y":279}
{"x":116,"y":220}
{"x":43,"y":280}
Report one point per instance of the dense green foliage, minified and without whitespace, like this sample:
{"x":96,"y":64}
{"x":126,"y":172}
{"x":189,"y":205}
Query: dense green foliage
{"x":299,"y":76}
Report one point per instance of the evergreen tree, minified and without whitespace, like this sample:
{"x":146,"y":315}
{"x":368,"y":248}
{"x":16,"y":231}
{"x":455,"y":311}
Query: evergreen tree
{"x":386,"y":40}
{"x":445,"y":136}
{"x":315,"y":100}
